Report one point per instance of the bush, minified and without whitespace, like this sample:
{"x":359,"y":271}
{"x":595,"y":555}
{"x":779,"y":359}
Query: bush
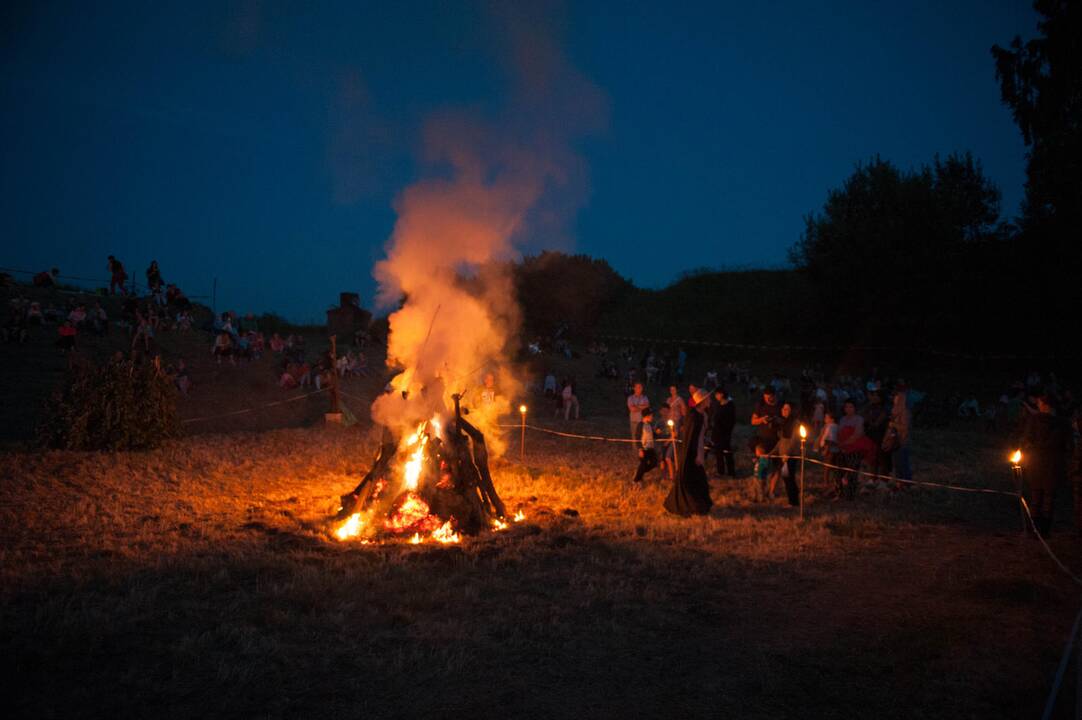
{"x":122,"y":405}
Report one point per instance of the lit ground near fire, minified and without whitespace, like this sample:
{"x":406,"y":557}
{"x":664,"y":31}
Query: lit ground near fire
{"x":201,"y":580}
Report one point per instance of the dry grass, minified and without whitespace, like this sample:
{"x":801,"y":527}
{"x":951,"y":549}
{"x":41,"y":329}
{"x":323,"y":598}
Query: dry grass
{"x":199,"y":580}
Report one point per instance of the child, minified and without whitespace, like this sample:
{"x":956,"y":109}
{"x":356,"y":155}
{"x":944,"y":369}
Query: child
{"x":647,"y":451}
{"x":828,"y":449}
{"x":760,"y":489}
{"x":663,"y":435}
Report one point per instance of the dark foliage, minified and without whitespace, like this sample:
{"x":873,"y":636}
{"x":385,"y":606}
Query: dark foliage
{"x":907,"y":257}
{"x":1041,"y":82}
{"x":122,"y":405}
{"x":555,"y":289}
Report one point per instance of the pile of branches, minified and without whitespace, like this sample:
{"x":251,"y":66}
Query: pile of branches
{"x":121,"y":405}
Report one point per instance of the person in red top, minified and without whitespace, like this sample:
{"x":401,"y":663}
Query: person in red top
{"x":66,"y":339}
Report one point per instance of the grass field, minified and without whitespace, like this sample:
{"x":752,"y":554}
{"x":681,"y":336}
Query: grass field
{"x":200,"y":580}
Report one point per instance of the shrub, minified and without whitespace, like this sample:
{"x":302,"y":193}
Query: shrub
{"x":122,"y":405}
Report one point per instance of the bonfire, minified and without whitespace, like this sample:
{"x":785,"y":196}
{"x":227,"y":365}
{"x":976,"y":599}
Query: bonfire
{"x":434,"y":483}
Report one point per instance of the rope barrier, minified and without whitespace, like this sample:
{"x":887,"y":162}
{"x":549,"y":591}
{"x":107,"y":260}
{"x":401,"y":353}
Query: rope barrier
{"x":253,"y":409}
{"x":1050,"y":703}
{"x":599,"y":438}
{"x":821,"y":348}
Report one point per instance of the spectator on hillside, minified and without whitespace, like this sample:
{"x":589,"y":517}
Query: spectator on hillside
{"x":47,"y":278}
{"x":144,"y":331}
{"x":34,"y":316}
{"x":678,"y":409}
{"x":361,"y":368}
{"x":99,"y":321}
{"x":1047,"y":445}
{"x":550,"y":384}
{"x":788,"y":448}
{"x":154,"y":276}
{"x":277,"y":344}
{"x":66,"y":335}
{"x":182,"y":378}
{"x":184,"y":320}
{"x":636,"y":401}
{"x":569,"y":399}
{"x":223,"y":347}
{"x":117,"y":276}
{"x":15,"y":329}
{"x":78,"y":316}
{"x":721,"y":433}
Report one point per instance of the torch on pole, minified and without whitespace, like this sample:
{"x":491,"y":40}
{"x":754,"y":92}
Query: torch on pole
{"x":1016,"y":472}
{"x":803,"y":442}
{"x":522,"y":438}
{"x":672,"y":439}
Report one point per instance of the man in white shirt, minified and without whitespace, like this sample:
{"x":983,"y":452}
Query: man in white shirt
{"x":636,"y":401}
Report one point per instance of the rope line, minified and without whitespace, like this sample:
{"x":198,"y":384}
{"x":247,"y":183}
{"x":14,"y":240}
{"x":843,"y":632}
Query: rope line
{"x":877,"y":348}
{"x":1050,"y":703}
{"x":252,"y":409}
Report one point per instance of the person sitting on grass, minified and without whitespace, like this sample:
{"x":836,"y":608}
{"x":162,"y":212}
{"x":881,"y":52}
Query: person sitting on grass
{"x":182,"y":378}
{"x":648,"y":459}
{"x":223,"y":347}
{"x":78,"y":316}
{"x":34,"y":315}
{"x":570,"y":399}
{"x":287,"y":379}
{"x":66,"y":334}
{"x":14,"y":329}
{"x":143,"y":331}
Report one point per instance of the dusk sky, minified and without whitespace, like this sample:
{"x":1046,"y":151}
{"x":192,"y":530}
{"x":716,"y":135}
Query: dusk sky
{"x":265,"y":143}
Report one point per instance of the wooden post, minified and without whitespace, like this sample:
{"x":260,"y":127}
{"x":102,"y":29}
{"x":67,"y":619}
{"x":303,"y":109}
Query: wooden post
{"x":522,"y":439}
{"x":335,"y":414}
{"x":803,"y":443}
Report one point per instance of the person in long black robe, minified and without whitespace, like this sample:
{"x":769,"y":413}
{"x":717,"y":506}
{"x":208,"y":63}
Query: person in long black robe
{"x":690,"y":494}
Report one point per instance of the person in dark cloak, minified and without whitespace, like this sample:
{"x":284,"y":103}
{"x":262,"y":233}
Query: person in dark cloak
{"x":721,"y":433}
{"x":690,"y":494}
{"x":1047,"y":444}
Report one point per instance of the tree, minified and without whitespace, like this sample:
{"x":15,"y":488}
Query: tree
{"x":1041,"y":82}
{"x":893,"y":254}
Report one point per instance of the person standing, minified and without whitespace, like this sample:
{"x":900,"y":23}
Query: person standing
{"x":876,"y":419}
{"x":154,"y":277}
{"x":765,"y":419}
{"x":678,"y":409}
{"x":690,"y":494}
{"x":899,"y":436}
{"x":1076,"y":470}
{"x":647,"y":451}
{"x":1046,"y":444}
{"x":117,"y":276}
{"x":721,"y":433}
{"x":636,"y":401}
{"x":788,"y":448}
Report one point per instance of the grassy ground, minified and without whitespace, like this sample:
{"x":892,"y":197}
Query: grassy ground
{"x":200,"y":580}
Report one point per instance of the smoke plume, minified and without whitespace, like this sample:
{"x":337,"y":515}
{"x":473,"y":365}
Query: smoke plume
{"x":491,"y":186}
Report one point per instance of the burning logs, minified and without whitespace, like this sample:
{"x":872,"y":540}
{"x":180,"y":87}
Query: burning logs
{"x":435,"y":483}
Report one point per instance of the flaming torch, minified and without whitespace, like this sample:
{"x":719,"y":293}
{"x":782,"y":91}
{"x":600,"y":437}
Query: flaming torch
{"x":672,"y":439}
{"x":1016,"y":473}
{"x":522,"y":438}
{"x":803,"y":442}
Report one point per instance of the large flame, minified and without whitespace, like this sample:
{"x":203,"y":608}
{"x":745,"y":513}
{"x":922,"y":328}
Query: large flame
{"x":351,"y":528}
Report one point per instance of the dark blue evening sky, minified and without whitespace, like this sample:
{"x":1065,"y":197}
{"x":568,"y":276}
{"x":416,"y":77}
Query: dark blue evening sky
{"x":263,"y":143}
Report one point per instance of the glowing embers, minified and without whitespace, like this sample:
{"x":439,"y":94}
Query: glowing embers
{"x":412,"y":514}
